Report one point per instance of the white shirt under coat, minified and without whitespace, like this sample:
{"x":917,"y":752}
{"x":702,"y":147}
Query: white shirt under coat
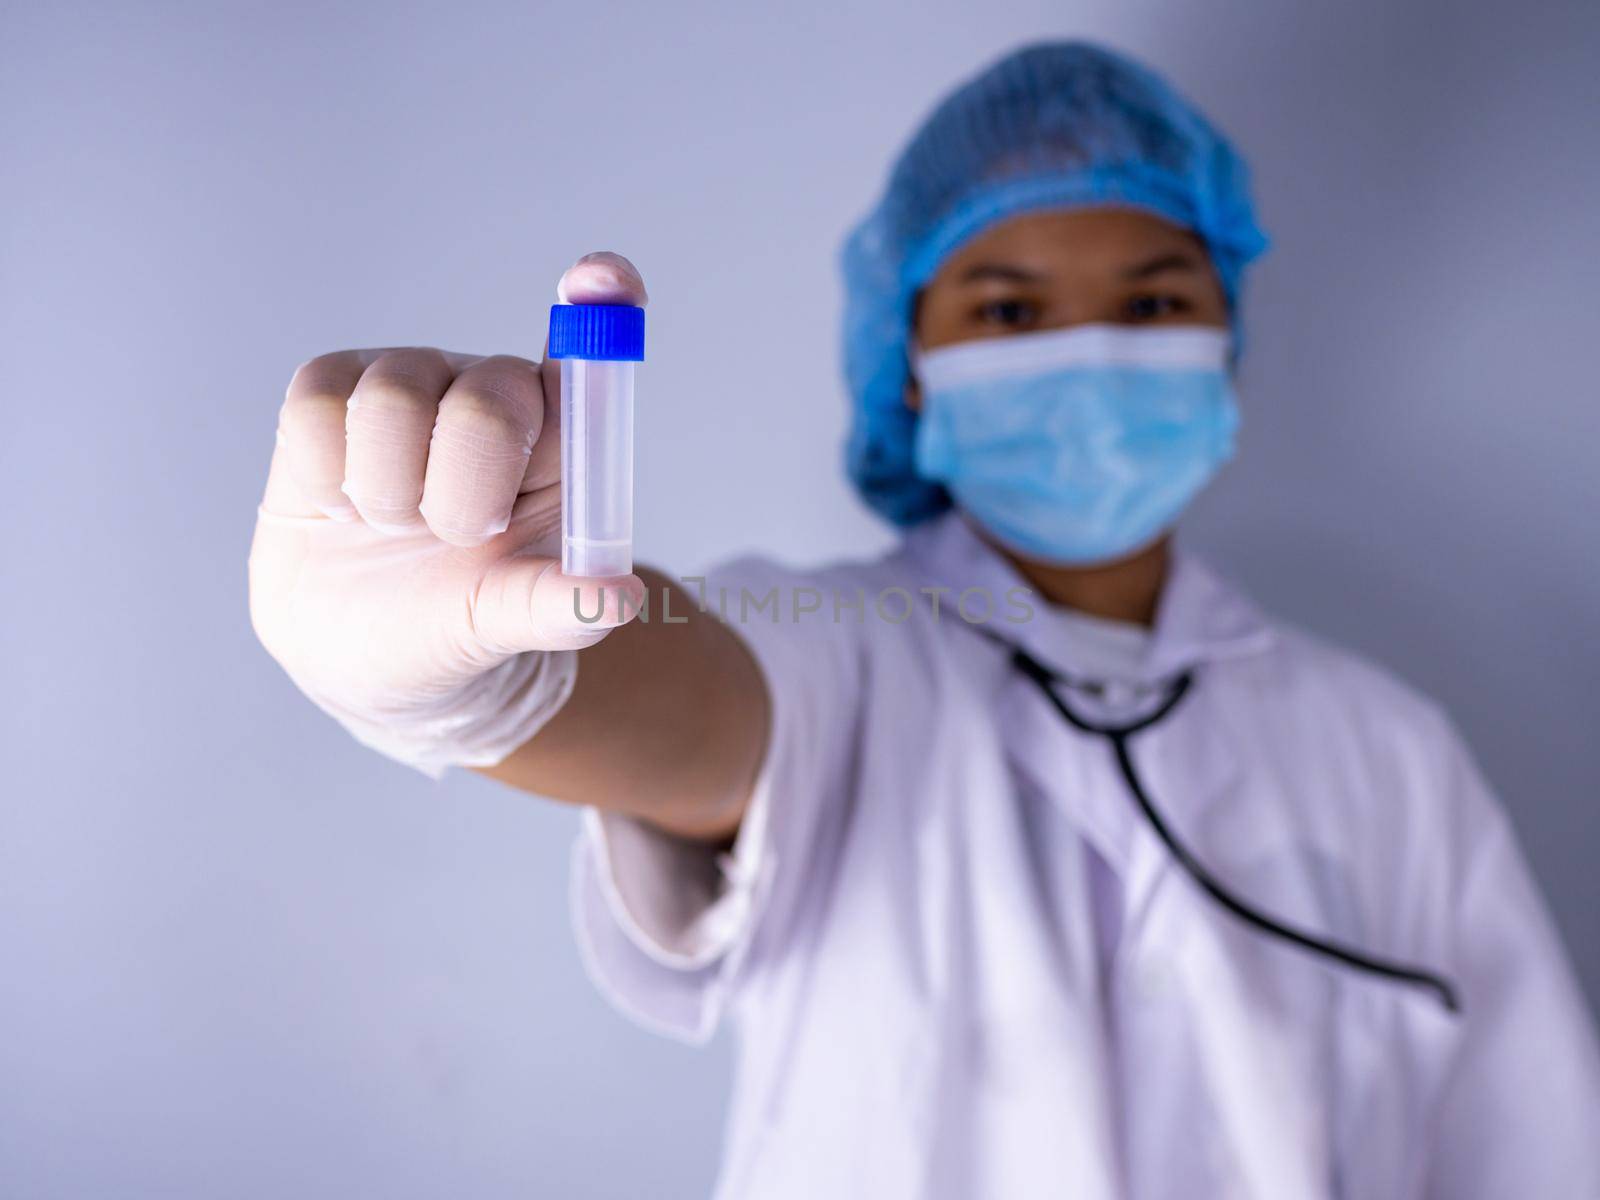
{"x":959,"y":963}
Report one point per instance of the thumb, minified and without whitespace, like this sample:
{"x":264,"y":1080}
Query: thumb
{"x":524,"y":602}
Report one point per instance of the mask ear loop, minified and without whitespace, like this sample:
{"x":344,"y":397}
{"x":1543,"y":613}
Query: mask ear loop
{"x":1118,"y":736}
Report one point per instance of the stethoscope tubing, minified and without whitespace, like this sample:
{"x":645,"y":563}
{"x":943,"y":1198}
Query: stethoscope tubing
{"x":1119,"y":736}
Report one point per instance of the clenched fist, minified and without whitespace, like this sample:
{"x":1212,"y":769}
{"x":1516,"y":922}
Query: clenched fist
{"x":405,"y":567}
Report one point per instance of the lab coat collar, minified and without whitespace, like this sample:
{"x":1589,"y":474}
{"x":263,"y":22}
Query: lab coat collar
{"x":1200,"y":617}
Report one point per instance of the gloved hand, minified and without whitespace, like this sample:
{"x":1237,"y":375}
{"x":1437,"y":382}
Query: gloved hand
{"x":405,"y":570}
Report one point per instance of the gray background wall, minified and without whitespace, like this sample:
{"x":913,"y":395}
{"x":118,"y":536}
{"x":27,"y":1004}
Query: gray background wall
{"x":241,"y":956}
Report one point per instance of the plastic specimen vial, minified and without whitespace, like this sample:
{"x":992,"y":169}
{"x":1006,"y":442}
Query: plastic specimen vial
{"x":598,"y":345}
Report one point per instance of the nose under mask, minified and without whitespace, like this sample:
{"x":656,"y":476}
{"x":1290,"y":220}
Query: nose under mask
{"x":1077,"y":445}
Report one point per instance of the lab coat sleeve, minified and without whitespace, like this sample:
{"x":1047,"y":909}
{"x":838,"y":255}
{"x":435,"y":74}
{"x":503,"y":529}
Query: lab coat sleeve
{"x":666,"y":926}
{"x":1520,"y":1115}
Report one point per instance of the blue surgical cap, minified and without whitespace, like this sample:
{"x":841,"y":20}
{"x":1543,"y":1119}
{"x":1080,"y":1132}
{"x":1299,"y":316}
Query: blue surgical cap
{"x":1050,"y":126}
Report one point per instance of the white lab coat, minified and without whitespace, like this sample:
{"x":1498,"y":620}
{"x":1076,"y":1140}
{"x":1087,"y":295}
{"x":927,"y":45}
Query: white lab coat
{"x":959,"y":962}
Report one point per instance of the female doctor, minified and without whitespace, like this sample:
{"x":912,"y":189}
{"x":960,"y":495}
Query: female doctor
{"x":1031,"y":859}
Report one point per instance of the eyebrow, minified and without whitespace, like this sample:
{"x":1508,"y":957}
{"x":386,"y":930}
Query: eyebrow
{"x":1174,"y":260}
{"x":1001,"y":272}
{"x":1177,"y":260}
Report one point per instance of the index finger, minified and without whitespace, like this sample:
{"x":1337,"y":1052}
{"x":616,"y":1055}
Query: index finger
{"x":604,"y":277}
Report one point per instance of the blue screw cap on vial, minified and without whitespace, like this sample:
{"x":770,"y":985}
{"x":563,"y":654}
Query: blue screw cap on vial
{"x":597,"y":345}
{"x":597,"y":332}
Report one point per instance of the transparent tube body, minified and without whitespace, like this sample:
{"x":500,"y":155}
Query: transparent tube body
{"x":596,"y":467}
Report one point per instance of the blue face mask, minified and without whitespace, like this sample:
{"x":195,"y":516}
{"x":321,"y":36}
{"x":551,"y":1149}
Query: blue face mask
{"x":1078,"y":445}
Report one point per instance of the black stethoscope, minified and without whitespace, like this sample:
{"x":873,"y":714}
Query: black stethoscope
{"x":1118,"y":735}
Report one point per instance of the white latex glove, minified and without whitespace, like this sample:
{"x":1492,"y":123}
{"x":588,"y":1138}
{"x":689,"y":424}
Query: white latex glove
{"x":405,"y":570}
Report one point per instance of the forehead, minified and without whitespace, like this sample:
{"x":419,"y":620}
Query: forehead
{"x":1080,"y":240}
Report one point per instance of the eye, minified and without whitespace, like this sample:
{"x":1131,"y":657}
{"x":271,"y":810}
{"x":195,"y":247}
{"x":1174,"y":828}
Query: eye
{"x":1009,"y":314}
{"x":1153,"y":307}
